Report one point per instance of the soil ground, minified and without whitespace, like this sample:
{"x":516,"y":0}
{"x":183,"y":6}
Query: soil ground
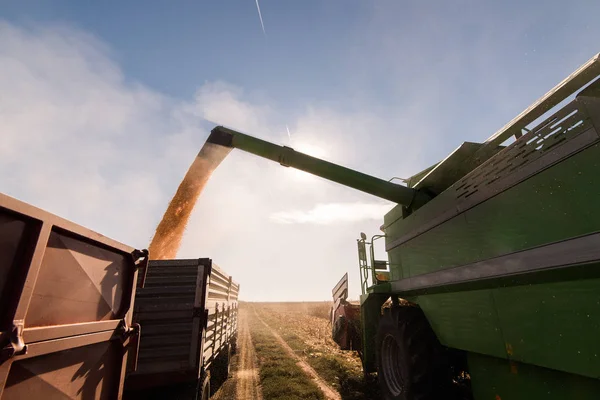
{"x":243,"y":383}
{"x":285,"y":351}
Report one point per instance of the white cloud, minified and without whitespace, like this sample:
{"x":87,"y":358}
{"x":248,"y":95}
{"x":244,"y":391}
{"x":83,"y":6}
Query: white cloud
{"x":82,"y":141}
{"x":332,"y":213}
{"x":220,"y":103}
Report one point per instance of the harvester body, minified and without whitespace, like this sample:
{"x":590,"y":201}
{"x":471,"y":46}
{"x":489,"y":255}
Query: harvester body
{"x":504,"y":262}
{"x":496,"y":248}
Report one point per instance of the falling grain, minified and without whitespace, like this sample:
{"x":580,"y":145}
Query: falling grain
{"x":167,"y":239}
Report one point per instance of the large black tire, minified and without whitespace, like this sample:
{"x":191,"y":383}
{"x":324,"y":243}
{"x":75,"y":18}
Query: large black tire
{"x":234,"y":344}
{"x":220,"y":367}
{"x":410,"y":364}
{"x":196,"y":390}
{"x":204,"y":387}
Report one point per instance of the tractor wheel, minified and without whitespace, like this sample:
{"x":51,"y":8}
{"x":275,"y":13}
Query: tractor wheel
{"x":409,"y":356}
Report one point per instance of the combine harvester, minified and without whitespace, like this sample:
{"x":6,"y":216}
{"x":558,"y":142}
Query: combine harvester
{"x":493,"y":270}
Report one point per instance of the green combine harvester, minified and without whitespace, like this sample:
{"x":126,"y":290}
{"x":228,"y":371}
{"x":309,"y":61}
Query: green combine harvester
{"x":492,"y":284}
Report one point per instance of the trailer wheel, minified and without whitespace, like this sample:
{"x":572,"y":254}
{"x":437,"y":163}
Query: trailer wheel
{"x":204,"y":387}
{"x":409,"y":356}
{"x":221,"y":366}
{"x":234,"y":344}
{"x":196,"y":390}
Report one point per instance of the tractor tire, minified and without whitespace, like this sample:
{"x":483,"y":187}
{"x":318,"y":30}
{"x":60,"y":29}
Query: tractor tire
{"x":410,"y":363}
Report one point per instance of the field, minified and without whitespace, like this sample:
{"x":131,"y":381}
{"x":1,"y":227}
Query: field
{"x":286,"y":352}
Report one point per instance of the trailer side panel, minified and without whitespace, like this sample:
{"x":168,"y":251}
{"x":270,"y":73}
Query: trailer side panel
{"x":65,"y":296}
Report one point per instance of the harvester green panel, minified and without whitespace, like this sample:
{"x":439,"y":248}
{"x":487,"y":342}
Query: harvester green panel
{"x":465,"y":320}
{"x":481,"y":321}
{"x":562,"y":316}
{"x":555,"y":204}
{"x":489,"y":295}
{"x":497,"y":379}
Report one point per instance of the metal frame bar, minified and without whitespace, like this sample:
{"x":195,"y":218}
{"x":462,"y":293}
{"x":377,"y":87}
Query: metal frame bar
{"x":200,"y":320}
{"x":575,"y":81}
{"x":458,"y":206}
{"x":26,"y":290}
{"x":32,"y":212}
{"x":56,"y":345}
{"x":39,"y":334}
{"x":563,"y":254}
{"x":363,"y":264}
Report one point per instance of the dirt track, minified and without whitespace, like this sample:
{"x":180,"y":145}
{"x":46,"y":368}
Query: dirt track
{"x":244,"y":385}
{"x":327,"y":390}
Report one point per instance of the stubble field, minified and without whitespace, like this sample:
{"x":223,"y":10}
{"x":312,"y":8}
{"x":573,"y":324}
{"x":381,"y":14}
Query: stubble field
{"x":286,"y":352}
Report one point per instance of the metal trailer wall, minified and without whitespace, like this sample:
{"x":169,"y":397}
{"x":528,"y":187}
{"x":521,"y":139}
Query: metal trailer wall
{"x":65,"y":318}
{"x":182,"y":330}
{"x":222,"y":314}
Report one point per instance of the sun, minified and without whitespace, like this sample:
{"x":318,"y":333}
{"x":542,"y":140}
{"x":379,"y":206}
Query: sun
{"x":312,"y":149}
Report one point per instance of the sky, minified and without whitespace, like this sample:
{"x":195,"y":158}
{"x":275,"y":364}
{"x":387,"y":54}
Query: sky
{"x":104,"y":105}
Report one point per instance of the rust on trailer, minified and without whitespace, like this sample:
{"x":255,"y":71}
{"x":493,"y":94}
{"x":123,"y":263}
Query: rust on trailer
{"x":188,"y":315}
{"x":66,"y":294}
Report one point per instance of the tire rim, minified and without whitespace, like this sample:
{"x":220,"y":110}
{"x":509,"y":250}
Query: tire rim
{"x":392,"y":374}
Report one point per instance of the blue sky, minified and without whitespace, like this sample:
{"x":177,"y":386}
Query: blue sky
{"x":109,"y":97}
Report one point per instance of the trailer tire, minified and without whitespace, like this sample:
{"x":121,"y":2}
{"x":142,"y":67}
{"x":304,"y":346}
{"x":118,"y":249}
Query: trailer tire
{"x":203,"y":392}
{"x":195,"y":390}
{"x":221,"y":365}
{"x":234,"y":344}
{"x":409,"y":357}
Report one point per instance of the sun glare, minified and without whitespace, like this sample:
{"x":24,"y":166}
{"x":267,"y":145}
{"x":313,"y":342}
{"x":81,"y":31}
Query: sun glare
{"x":311,"y":149}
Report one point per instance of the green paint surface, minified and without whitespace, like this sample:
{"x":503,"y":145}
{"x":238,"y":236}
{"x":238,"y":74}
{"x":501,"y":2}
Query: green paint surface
{"x":464,"y":320}
{"x":370,"y":312}
{"x":497,"y":379}
{"x":556,"y":204}
{"x":555,"y":325}
{"x":548,"y":323}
